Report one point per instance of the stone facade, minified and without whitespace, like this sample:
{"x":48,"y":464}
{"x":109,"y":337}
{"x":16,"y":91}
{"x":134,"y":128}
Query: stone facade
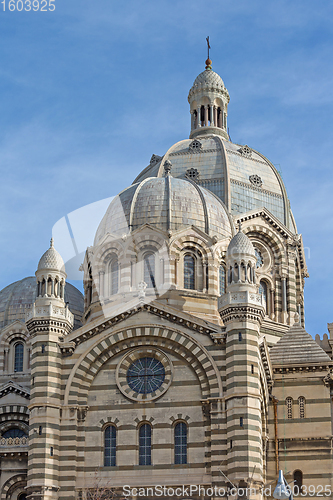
{"x":186,"y":362}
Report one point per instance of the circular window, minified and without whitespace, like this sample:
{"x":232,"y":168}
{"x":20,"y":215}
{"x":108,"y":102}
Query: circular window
{"x":144,"y":374}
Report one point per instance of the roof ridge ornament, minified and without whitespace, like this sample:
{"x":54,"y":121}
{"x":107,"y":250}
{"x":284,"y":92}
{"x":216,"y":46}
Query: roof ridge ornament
{"x":52,"y":242}
{"x":167,"y":167}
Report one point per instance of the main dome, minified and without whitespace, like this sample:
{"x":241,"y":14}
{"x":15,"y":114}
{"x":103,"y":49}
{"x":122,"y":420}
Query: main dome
{"x":241,"y":177}
{"x":168,"y":204}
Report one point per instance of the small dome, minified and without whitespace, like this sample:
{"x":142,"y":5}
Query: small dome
{"x":167,"y":204}
{"x":240,"y":245}
{"x":51,"y":260}
{"x":207,"y":78}
{"x":16,"y":298}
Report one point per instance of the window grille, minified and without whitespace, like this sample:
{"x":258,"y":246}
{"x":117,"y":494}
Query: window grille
{"x":114,"y":272}
{"x":301,"y":404}
{"x":222,"y":280}
{"x":110,"y":442}
{"x":189,"y":269}
{"x":289,"y":403}
{"x":18,"y":361}
{"x":149,"y":270}
{"x":145,"y":445}
{"x":181,"y":443}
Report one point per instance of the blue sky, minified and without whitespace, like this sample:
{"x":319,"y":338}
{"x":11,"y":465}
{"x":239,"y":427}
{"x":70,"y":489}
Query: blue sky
{"x":90,"y":91}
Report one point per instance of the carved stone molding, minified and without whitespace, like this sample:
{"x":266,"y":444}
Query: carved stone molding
{"x":242,"y":313}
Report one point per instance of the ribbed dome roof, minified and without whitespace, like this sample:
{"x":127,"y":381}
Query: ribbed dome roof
{"x":208,"y":79}
{"x":51,"y":260}
{"x":167,"y":204}
{"x":240,"y":245}
{"x":16,"y":298}
{"x":249,"y":183}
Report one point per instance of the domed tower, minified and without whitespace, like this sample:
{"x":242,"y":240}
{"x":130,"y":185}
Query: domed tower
{"x":51,"y":278}
{"x":243,"y":312}
{"x":241,"y":264}
{"x":48,"y":321}
{"x":208,"y":99}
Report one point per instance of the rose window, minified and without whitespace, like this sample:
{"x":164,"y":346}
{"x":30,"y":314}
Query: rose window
{"x":145,"y":375}
{"x":255,"y":180}
{"x":195,"y":145}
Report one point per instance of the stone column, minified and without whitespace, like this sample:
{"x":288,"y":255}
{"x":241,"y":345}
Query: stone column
{"x":272,"y":315}
{"x":215,"y":116}
{"x":206,"y":115}
{"x":52,"y":287}
{"x":5,"y":361}
{"x":101,"y":285}
{"x":284,"y":298}
{"x":192,"y":120}
{"x":199,"y":117}
{"x":212,"y":122}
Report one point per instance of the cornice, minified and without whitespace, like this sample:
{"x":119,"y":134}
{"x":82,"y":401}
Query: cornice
{"x":242,"y":313}
{"x":301,"y":369}
{"x":68,"y":346}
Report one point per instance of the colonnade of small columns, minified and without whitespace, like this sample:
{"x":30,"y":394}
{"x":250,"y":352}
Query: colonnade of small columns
{"x":51,"y":287}
{"x":208,"y":115}
{"x":242,"y":273}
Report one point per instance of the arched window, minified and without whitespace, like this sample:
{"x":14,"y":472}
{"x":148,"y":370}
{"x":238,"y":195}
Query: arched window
{"x":110,"y":443}
{"x":301,"y":405}
{"x":298,"y":479}
{"x":263,"y":292}
{"x":289,"y":404}
{"x":22,"y":496}
{"x":243,"y":272}
{"x":145,"y":445}
{"x":149,"y":270}
{"x":189,"y":272}
{"x":181,"y":443}
{"x":222,"y":280}
{"x":18,"y":357}
{"x":114,"y":276}
{"x":14,"y":432}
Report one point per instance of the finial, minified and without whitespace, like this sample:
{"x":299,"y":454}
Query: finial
{"x":208,"y":61}
{"x":51,"y":242}
{"x":239,"y":226}
{"x":296,"y":318}
{"x":167,"y":167}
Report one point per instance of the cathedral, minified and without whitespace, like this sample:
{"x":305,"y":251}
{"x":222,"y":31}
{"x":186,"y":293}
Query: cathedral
{"x":185,"y":370}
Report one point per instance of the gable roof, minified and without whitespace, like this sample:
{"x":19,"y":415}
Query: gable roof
{"x":296,"y":348}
